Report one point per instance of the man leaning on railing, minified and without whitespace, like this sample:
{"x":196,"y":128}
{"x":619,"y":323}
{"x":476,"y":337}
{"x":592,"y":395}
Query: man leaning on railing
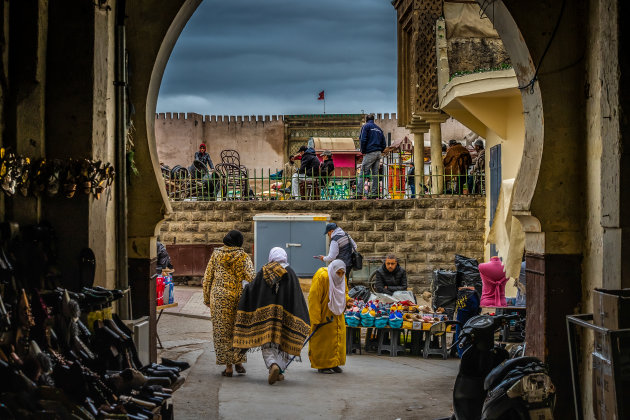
{"x":475,"y":179}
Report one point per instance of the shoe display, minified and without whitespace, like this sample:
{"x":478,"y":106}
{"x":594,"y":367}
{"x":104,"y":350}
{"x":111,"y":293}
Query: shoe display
{"x":64,"y":353}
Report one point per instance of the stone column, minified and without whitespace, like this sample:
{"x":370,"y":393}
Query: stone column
{"x":437,"y":166}
{"x":434,"y":120}
{"x":418,"y":128}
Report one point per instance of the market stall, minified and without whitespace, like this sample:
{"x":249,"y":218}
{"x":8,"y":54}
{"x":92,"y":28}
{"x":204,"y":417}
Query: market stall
{"x":395,"y":327}
{"x":344,"y":156}
{"x":397,"y":162}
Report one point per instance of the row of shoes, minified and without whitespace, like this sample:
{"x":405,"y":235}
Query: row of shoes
{"x":64,"y":354}
{"x":53,"y":365}
{"x":53,"y":177}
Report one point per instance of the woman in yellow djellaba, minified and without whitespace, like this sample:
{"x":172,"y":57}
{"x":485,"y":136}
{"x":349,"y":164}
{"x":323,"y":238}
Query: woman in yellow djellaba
{"x":228,"y":267}
{"x":328,"y":297}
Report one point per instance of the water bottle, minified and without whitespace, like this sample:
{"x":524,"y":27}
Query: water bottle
{"x":159,"y":290}
{"x":169,"y":289}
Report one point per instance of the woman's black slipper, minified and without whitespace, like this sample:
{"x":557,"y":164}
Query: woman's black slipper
{"x":329,"y":370}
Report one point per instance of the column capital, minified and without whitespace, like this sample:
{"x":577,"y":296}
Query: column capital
{"x":418,"y":125}
{"x":432,"y":117}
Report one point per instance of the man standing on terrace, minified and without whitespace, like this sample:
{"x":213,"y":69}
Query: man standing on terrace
{"x":372,"y":146}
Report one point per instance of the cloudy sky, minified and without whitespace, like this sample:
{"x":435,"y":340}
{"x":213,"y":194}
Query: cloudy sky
{"x":252,"y":57}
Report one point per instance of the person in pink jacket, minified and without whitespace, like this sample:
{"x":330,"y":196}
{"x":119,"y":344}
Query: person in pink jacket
{"x":493,"y":278}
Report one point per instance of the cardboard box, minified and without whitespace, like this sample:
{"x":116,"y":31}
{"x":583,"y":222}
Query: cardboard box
{"x":604,"y":398}
{"x":611,"y":308}
{"x":611,"y":376}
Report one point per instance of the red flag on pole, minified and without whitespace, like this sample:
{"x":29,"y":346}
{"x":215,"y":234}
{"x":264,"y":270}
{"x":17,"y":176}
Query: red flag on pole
{"x":321,"y":96}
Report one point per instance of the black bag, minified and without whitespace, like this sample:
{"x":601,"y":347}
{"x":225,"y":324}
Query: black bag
{"x":360,"y":293}
{"x":444,"y":289}
{"x":356,"y":257}
{"x":468,"y":272}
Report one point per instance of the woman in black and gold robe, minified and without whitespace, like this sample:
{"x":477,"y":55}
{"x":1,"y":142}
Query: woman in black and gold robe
{"x":272,"y":315}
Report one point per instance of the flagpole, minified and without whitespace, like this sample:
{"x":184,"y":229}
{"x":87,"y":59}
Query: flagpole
{"x":324,"y":104}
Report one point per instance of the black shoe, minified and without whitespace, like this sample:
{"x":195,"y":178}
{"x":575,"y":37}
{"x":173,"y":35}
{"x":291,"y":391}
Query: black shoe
{"x":176,"y":363}
{"x":161,"y":374}
{"x":337,"y":369}
{"x":327,"y":371}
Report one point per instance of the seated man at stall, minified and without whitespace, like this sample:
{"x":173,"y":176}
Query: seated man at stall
{"x":391,"y":277}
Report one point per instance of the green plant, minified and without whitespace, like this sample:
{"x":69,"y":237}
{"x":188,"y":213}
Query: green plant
{"x":503,"y":66}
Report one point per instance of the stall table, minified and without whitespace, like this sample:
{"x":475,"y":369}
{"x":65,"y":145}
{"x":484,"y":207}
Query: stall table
{"x":161,"y":309}
{"x":391,"y":342}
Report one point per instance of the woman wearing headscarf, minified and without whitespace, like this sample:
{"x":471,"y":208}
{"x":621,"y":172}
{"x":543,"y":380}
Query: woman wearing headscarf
{"x":228,"y":267}
{"x":272,"y":315}
{"x":327,"y":298}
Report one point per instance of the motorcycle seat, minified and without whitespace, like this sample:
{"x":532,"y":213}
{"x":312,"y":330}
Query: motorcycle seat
{"x":497,"y":374}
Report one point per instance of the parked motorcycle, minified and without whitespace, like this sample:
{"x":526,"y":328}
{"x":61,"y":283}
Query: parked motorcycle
{"x":490,"y":385}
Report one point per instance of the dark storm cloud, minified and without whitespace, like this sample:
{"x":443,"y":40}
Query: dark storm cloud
{"x":272,"y":57}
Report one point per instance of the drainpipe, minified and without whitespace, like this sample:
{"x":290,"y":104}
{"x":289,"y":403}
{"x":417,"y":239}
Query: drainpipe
{"x":120,"y":83}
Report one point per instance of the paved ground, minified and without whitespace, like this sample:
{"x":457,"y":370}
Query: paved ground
{"x":377,"y":387}
{"x":190,"y":302}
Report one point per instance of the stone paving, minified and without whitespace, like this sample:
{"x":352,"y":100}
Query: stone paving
{"x":190,"y":302}
{"x":376,"y":387}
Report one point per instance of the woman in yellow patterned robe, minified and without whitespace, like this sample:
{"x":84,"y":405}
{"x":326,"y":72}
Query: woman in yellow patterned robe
{"x":328,"y":297}
{"x":228,"y":267}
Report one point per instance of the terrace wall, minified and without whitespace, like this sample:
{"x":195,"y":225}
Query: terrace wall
{"x":428,"y":232}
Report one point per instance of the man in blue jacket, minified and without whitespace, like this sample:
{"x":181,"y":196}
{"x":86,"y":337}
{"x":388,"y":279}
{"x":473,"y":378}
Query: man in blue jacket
{"x":372,"y":146}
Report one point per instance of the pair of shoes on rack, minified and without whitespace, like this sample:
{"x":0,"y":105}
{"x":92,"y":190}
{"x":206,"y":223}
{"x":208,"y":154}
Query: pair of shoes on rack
{"x":131,"y":379}
{"x":176,"y":363}
{"x":162,"y":371}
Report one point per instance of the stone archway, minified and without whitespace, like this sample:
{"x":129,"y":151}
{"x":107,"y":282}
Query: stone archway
{"x":151,"y":35}
{"x":568,"y":193}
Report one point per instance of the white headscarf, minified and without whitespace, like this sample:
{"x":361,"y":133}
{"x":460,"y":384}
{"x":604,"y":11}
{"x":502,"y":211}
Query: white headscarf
{"x":336,"y":287}
{"x":279,"y":255}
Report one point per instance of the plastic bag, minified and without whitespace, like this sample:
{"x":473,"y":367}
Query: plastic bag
{"x":444,"y":289}
{"x":468,"y":272}
{"x":360,"y":293}
{"x":404,"y":295}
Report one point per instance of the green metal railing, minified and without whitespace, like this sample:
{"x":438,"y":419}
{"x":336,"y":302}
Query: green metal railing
{"x":265,"y":185}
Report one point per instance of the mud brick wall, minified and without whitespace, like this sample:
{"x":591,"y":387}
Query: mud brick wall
{"x":428,"y":232}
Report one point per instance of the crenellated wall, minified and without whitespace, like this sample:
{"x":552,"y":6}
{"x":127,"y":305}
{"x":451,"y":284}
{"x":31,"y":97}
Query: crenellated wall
{"x":259,"y":139}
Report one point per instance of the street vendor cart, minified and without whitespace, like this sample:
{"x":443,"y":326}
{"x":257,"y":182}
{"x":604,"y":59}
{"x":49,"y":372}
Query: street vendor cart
{"x":344,"y":156}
